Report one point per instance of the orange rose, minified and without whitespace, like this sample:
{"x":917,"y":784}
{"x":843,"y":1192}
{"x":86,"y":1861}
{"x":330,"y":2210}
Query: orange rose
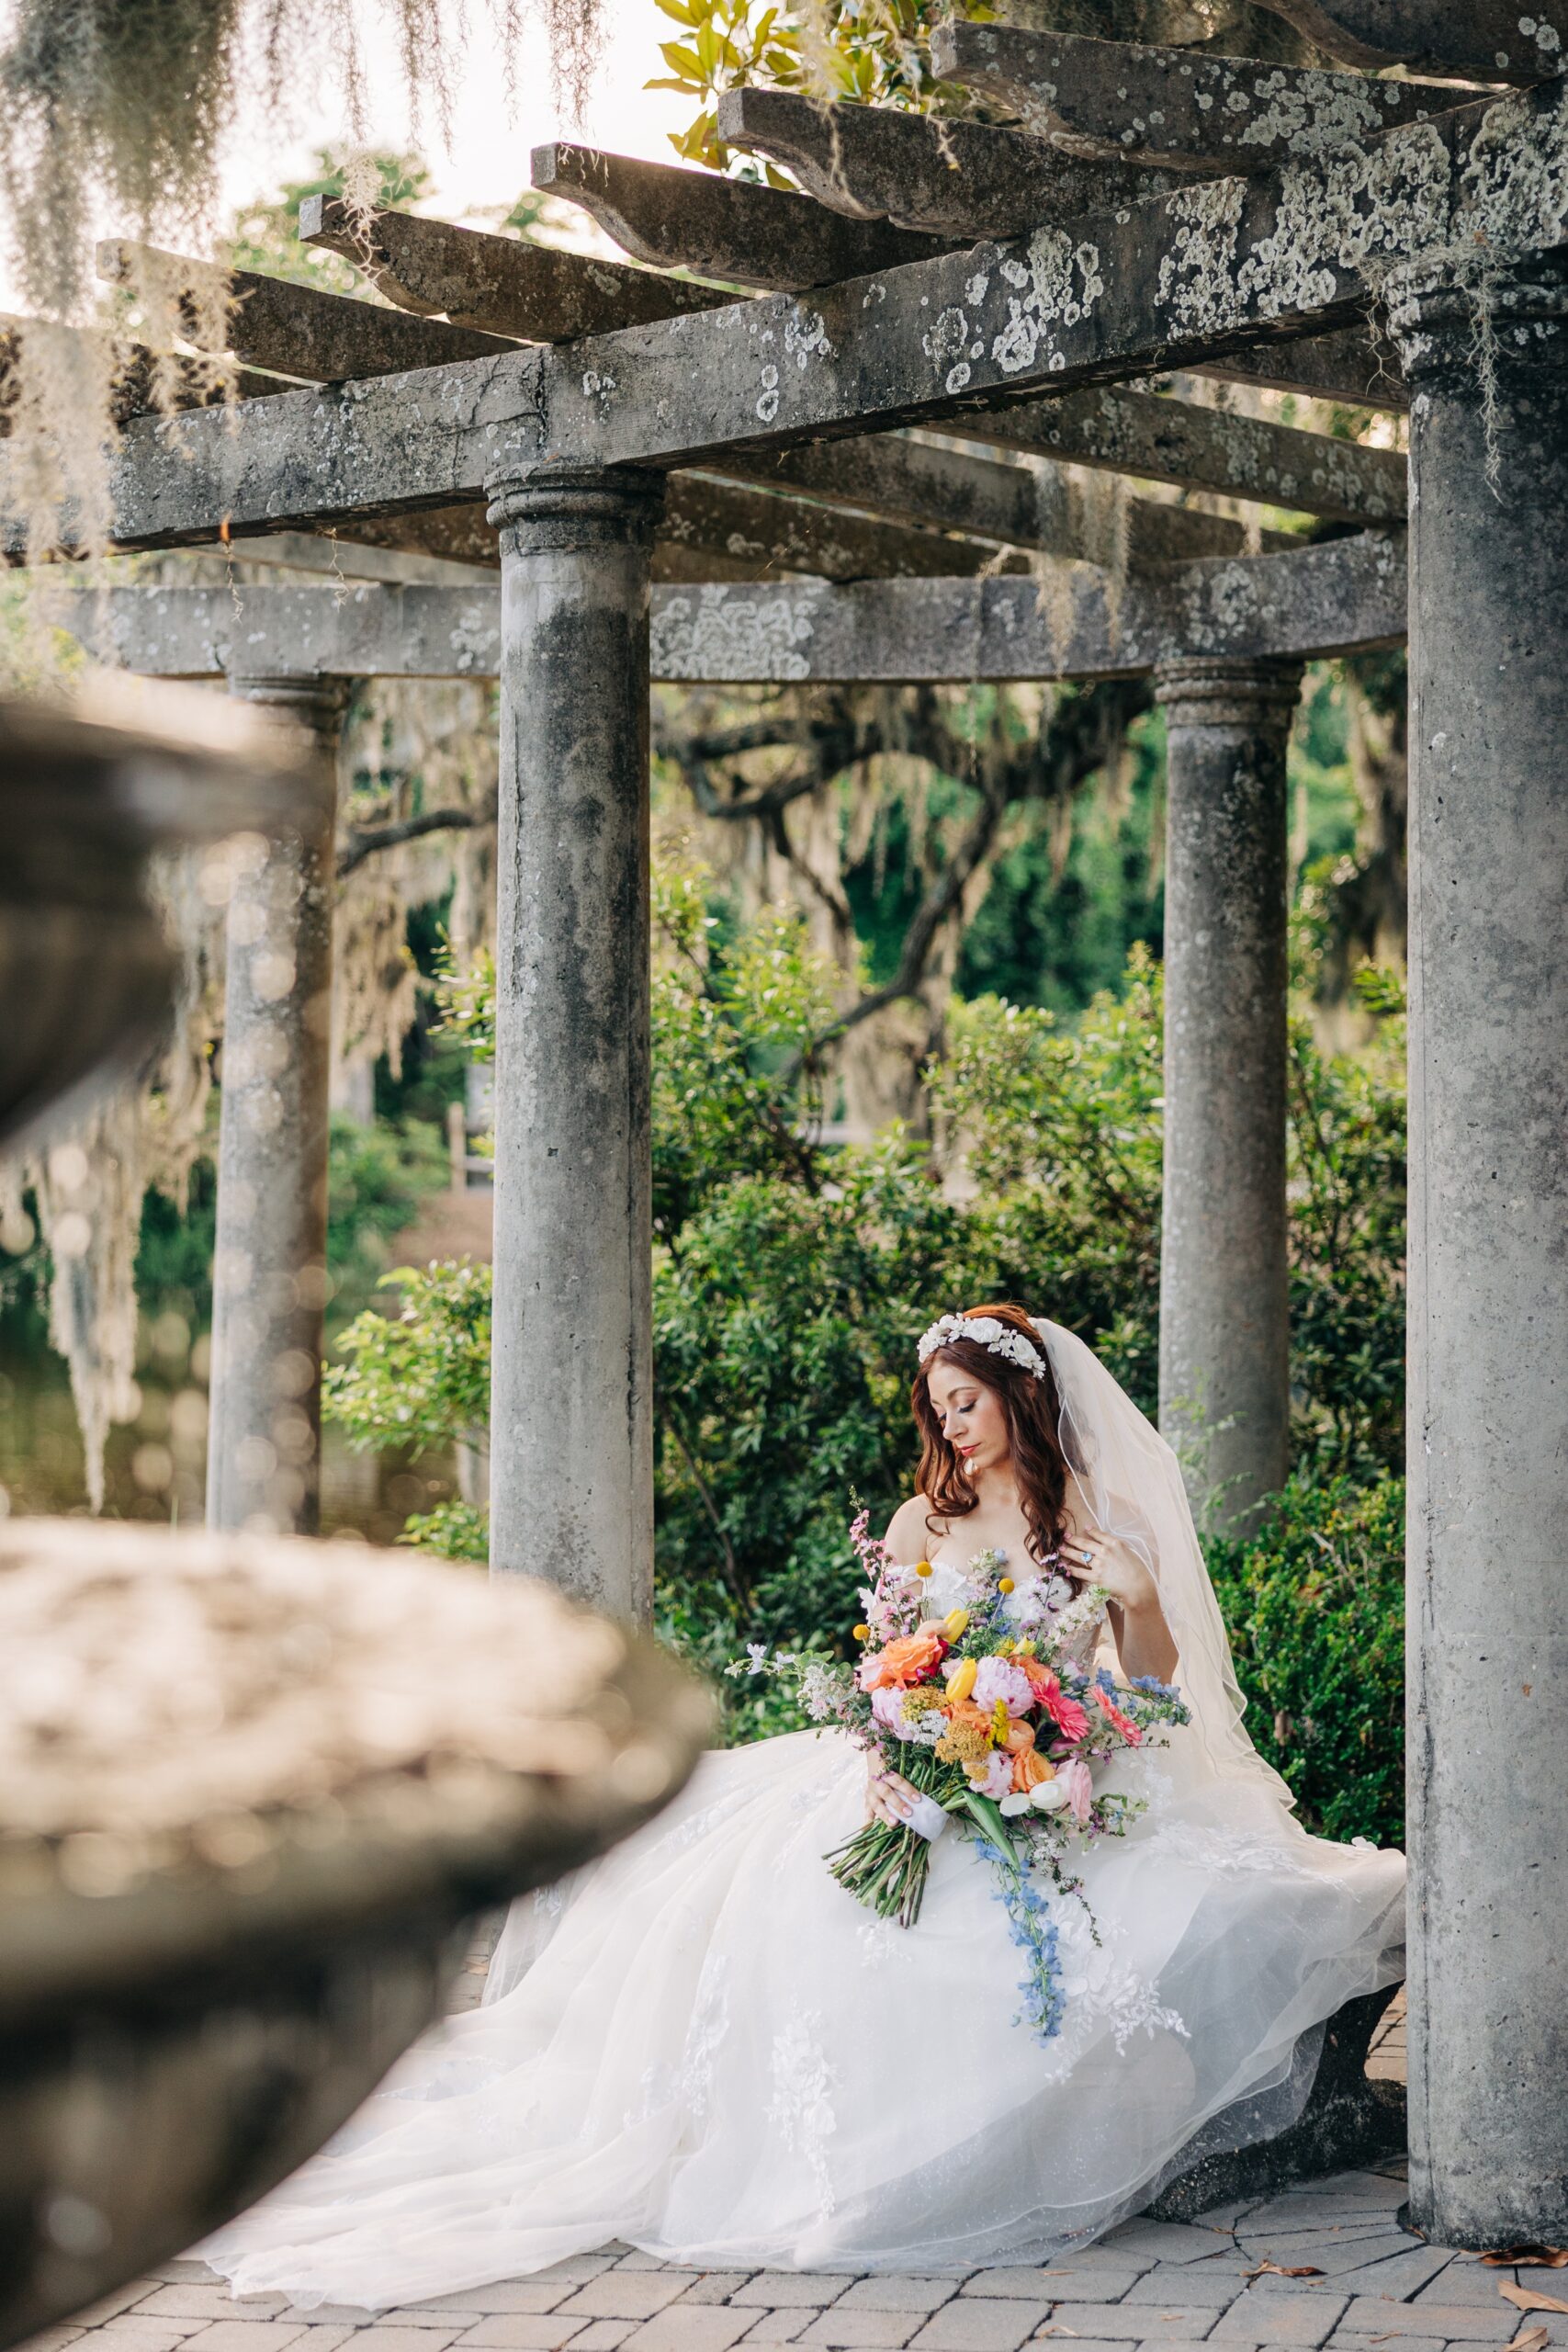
{"x":1020,"y":1735}
{"x":964,"y":1711}
{"x":1030,"y":1768}
{"x":914,"y":1657}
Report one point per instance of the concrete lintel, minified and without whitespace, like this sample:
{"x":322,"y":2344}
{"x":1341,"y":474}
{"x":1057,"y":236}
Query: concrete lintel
{"x":957,"y":179}
{"x":1176,"y":107}
{"x":732,"y":230}
{"x":499,"y":285}
{"x":1491,"y":39}
{"x":1338,"y":598}
{"x":1205,"y":448}
{"x":1176,"y":281}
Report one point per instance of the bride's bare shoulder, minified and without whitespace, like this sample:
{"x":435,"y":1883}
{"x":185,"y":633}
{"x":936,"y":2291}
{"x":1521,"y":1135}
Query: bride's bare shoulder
{"x":909,"y":1530}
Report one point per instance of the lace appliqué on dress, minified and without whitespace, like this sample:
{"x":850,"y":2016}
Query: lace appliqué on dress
{"x":802,"y":2106}
{"x":1233,"y":1851}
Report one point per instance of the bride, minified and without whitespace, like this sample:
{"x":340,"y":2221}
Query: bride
{"x":702,"y":2046}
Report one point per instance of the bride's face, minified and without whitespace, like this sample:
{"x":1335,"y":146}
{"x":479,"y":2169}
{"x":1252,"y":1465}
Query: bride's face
{"x":971,"y":1417}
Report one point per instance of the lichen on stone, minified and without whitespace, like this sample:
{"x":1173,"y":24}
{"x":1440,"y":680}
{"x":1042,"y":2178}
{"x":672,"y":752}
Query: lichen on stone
{"x":1058,"y":286}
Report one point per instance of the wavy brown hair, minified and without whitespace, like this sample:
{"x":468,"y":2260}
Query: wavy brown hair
{"x":1033,"y":1412}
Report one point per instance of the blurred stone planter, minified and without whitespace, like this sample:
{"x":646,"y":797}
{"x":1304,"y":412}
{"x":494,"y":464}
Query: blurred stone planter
{"x":210,"y":1952}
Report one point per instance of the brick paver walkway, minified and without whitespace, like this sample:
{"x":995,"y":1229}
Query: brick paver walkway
{"x":1146,"y":2286}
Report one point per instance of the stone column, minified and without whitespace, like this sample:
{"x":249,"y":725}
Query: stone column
{"x":1225,"y":1377}
{"x":571,"y":1443}
{"x":1487,"y":1546}
{"x":269,"y":1286}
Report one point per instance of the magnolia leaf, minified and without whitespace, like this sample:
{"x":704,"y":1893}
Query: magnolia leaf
{"x":1528,"y":2257}
{"x":1530,"y":2299}
{"x":1279,"y":2270}
{"x":1531,"y":2341}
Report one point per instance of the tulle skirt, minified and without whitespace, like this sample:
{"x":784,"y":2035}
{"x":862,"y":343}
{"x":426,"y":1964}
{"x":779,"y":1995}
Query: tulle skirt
{"x":702,"y":2046}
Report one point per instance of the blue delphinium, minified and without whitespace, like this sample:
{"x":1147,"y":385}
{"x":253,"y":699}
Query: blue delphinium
{"x":1033,"y":1930}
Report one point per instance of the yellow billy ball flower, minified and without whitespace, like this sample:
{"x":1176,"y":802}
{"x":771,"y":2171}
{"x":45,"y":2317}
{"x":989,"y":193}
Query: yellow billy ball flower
{"x":962,"y":1681}
{"x":862,"y":1633}
{"x":922,"y":1568}
{"x":955,"y":1623}
{"x":1004,"y":1584}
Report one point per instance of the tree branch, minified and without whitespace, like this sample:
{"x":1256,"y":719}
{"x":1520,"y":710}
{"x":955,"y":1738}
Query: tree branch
{"x":364,"y":842}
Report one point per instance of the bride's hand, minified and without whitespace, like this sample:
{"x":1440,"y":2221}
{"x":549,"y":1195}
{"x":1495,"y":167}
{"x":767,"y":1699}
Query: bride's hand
{"x":1094,"y":1558}
{"x":888,"y":1798}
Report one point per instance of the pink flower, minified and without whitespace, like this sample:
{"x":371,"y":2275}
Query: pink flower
{"x":995,"y":1778}
{"x":1079,"y":1785}
{"x":1066,"y":1713}
{"x":1124,"y":1723}
{"x":887,"y":1709}
{"x":998,"y":1678}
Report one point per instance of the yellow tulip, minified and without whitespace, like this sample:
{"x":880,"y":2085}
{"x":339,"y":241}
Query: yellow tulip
{"x":955,"y":1623}
{"x":960,"y":1682}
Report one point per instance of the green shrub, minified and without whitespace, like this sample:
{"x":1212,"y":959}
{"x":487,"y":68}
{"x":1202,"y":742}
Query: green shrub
{"x":1315,"y":1603}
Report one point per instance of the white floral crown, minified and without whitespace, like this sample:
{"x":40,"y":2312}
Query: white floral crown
{"x":991,"y":1332}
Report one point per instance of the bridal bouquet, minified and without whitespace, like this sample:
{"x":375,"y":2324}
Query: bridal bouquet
{"x":985,"y":1711}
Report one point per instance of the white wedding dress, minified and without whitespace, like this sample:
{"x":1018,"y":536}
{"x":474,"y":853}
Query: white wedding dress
{"x":702,"y":2046}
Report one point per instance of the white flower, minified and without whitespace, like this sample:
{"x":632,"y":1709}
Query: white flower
{"x":1019,"y":1801}
{"x":1026,"y":1605}
{"x":945,"y":1590}
{"x":1047,"y":1796}
{"x":991,"y":1332}
{"x":757,"y":1652}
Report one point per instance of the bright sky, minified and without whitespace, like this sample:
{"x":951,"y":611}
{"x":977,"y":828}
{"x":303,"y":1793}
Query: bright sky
{"x":483,"y":160}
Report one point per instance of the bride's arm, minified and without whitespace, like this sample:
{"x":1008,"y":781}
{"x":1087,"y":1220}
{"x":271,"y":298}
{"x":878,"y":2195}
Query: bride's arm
{"x":888,"y":1797}
{"x":1143,"y":1642}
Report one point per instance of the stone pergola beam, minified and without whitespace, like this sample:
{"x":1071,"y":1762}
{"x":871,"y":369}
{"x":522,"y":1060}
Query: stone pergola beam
{"x":1177,"y":281}
{"x":498,"y":285}
{"x":1205,"y":448}
{"x":1176,"y":108}
{"x":1493,"y":39}
{"x":1342,"y":597}
{"x":778,"y":534}
{"x":732,"y":230}
{"x":954,"y":179}
{"x":1355,"y":365}
{"x":292,"y":330}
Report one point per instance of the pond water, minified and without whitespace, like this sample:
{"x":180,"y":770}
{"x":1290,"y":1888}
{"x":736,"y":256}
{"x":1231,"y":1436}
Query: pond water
{"x":155,"y":1467}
